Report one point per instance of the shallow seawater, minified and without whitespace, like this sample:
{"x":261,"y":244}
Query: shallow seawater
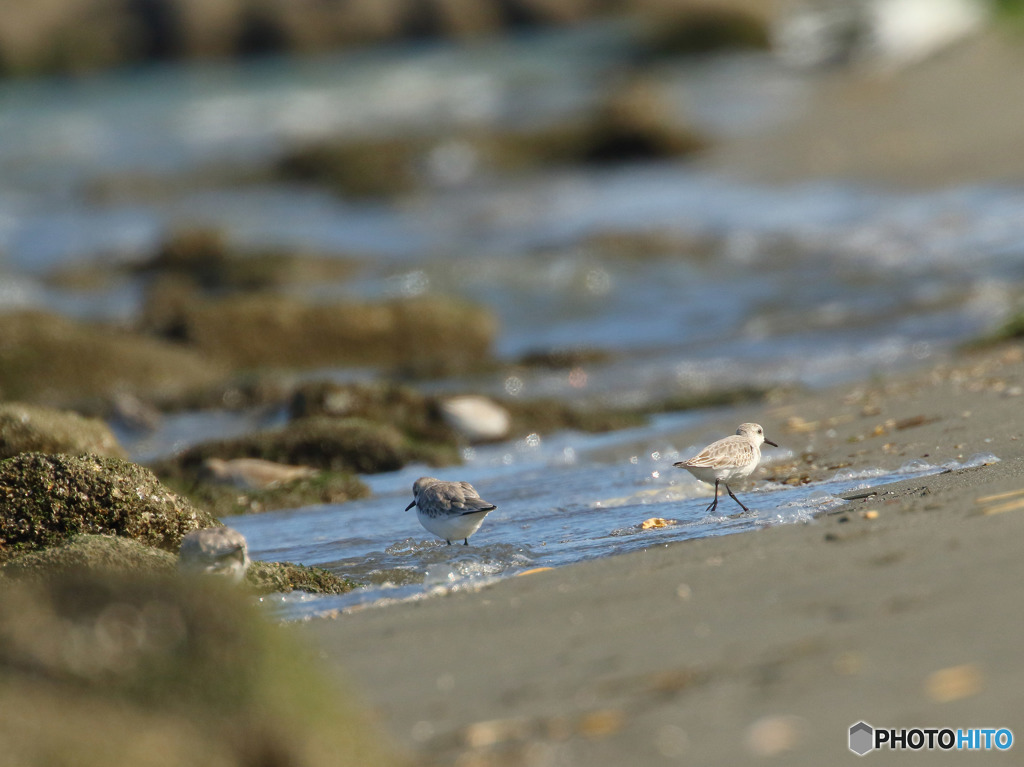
{"x":557,"y":504}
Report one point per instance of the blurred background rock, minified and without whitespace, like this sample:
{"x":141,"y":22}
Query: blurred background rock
{"x":83,"y":35}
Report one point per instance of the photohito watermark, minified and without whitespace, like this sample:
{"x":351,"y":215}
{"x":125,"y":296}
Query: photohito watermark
{"x":864,"y":739}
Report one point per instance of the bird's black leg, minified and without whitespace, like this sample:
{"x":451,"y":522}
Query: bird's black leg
{"x":465,"y":542}
{"x":447,"y":541}
{"x":733,"y":496}
{"x":714,"y":504}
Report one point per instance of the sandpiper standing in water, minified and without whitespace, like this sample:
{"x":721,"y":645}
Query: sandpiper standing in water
{"x":449,"y":510}
{"x":728,"y":458}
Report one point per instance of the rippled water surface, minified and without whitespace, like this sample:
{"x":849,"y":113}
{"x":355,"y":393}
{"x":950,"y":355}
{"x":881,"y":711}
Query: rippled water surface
{"x":566,"y":500}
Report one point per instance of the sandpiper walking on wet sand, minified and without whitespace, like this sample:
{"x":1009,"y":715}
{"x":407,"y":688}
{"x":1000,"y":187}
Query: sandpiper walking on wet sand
{"x":728,"y":458}
{"x":449,"y":510}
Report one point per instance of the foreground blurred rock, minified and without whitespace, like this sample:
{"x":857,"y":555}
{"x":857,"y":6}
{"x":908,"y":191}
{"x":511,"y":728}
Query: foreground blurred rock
{"x":98,"y":671}
{"x":107,"y":553}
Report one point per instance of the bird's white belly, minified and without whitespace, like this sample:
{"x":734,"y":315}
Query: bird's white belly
{"x":452,"y":528}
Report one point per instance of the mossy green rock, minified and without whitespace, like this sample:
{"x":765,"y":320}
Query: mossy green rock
{"x":205,"y":258}
{"x":124,"y":556}
{"x":374,"y":167}
{"x":110,"y":553}
{"x":1012,"y":329}
{"x":33,"y":429}
{"x":283,"y":577}
{"x":53,"y":360}
{"x":423,"y":336}
{"x":418,"y":416}
{"x":334,"y":444}
{"x":47,"y":499}
{"x":226,"y":500}
{"x":98,"y":670}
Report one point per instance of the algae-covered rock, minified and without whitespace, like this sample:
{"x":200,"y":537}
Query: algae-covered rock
{"x":123,"y":556}
{"x":423,"y":336}
{"x":373,"y":167}
{"x":205,"y":258}
{"x":223,"y":500}
{"x":678,"y":30}
{"x":335,"y":444}
{"x":162,"y":672}
{"x":52,"y":360}
{"x":418,"y":416}
{"x":339,"y":429}
{"x":548,"y":415}
{"x":634,"y":123}
{"x":33,"y":429}
{"x":47,"y":499}
{"x":283,"y":577}
{"x":110,"y":553}
{"x":1012,"y":329}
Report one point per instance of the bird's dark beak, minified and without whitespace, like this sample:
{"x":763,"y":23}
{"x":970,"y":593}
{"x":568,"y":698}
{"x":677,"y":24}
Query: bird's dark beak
{"x":414,"y":502}
{"x":769,"y":442}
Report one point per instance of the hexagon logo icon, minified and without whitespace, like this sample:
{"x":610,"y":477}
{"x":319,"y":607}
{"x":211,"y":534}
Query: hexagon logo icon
{"x":862,"y":738}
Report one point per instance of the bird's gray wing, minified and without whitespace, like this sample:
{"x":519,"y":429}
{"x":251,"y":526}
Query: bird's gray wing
{"x":470,"y":501}
{"x":728,"y":451}
{"x":458,"y":497}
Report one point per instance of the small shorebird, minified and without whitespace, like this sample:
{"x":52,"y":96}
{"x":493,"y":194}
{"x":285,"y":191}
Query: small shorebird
{"x":449,"y":510}
{"x":728,"y":458}
{"x":215,"y":550}
{"x":254,"y":473}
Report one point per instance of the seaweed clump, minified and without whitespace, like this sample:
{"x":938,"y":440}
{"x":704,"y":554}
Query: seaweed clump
{"x":284,"y":577}
{"x":334,"y":444}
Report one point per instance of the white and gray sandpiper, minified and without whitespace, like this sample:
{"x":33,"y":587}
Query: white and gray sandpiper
{"x":449,"y":510}
{"x":216,"y":551}
{"x":732,"y":457}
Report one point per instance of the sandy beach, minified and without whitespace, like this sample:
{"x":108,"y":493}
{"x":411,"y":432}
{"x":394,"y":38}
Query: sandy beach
{"x":900,"y":609}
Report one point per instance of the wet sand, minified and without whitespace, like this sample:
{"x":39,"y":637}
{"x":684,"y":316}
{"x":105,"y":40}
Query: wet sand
{"x":903,"y":609}
{"x":952,"y":119}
